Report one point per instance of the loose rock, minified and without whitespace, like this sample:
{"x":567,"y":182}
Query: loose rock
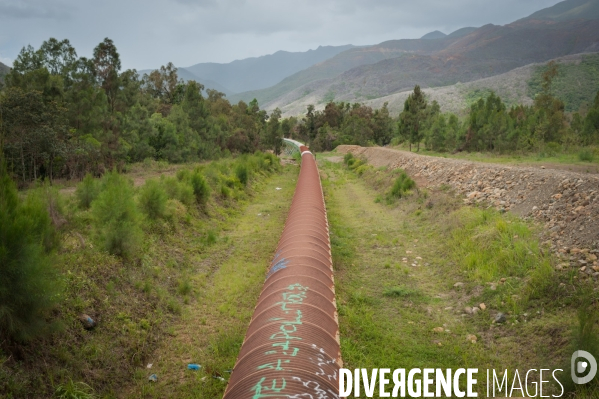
{"x":500,"y":318}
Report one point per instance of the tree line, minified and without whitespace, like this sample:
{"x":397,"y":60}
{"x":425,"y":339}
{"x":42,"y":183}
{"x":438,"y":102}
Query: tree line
{"x":543,"y":127}
{"x":64,"y":116}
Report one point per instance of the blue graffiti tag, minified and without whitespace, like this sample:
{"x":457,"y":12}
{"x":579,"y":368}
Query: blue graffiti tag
{"x":282,"y":264}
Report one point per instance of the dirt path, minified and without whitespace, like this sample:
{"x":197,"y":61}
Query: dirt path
{"x":214,"y":323}
{"x":566,"y":203}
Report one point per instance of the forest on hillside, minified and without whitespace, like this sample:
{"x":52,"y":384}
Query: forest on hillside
{"x":545,"y":127}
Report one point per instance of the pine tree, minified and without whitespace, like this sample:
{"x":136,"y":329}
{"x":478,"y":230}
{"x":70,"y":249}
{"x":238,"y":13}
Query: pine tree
{"x":413,"y":117}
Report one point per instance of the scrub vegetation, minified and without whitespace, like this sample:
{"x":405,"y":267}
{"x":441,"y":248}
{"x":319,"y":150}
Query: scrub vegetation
{"x":137,"y":261}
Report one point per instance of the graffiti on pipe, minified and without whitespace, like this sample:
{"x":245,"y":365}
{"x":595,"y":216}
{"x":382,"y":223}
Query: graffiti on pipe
{"x":293,"y":297}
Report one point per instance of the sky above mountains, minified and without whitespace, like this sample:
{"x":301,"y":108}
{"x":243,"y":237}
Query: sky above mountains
{"x":151,"y":33}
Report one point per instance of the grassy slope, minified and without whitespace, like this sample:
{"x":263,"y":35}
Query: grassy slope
{"x":213,"y":325}
{"x":139,"y":304}
{"x":370,"y":242}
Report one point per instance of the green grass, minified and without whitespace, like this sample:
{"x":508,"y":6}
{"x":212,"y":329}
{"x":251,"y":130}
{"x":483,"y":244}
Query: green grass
{"x":223,"y":293}
{"x":489,"y":246}
{"x":585,"y":155}
{"x":396,"y":266}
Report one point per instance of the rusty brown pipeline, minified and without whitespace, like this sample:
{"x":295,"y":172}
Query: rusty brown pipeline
{"x":291,"y":348}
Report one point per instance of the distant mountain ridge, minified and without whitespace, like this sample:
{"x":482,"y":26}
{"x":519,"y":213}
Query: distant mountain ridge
{"x":462,"y":32}
{"x":343,"y":62}
{"x":265,"y":71}
{"x":568,"y":10}
{"x":434,"y":35}
{"x":348,"y":73}
{"x":466,"y":54}
{"x":473,"y":54}
{"x":440,"y":35}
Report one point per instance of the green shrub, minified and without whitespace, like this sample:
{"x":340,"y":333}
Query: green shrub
{"x":586,"y":155}
{"x":230,"y":181}
{"x":47,"y":200}
{"x":87,"y":191}
{"x":116,"y":217}
{"x":201,"y":190}
{"x":183,"y":174}
{"x":28,"y":281}
{"x":356,"y":163}
{"x":272,"y":162}
{"x":152,"y":199}
{"x":173,"y":306}
{"x":225,"y":192}
{"x":361,"y":169}
{"x":402,"y":185}
{"x":241,"y":171}
{"x":174,"y":211}
{"x":347,"y":157}
{"x":182,"y":191}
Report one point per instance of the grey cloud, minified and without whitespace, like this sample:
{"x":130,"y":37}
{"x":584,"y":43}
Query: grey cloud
{"x":199,"y":3}
{"x":151,"y":33}
{"x":26,"y":9}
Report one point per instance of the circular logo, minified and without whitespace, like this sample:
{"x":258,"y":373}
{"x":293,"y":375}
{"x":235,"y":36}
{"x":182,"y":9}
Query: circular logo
{"x":588,"y":365}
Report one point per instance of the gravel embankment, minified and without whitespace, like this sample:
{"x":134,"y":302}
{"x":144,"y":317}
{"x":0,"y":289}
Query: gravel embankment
{"x":565,"y":203}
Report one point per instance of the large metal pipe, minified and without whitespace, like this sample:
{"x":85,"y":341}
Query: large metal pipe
{"x":291,"y":349}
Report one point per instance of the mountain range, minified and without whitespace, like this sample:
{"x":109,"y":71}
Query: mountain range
{"x":366,"y":73}
{"x":486,"y":52}
{"x":387,"y":71}
{"x":256,"y":72}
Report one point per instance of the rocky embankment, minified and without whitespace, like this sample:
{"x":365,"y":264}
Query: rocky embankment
{"x":565,"y":203}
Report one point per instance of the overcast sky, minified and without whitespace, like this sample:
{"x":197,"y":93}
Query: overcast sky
{"x":151,"y":33}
